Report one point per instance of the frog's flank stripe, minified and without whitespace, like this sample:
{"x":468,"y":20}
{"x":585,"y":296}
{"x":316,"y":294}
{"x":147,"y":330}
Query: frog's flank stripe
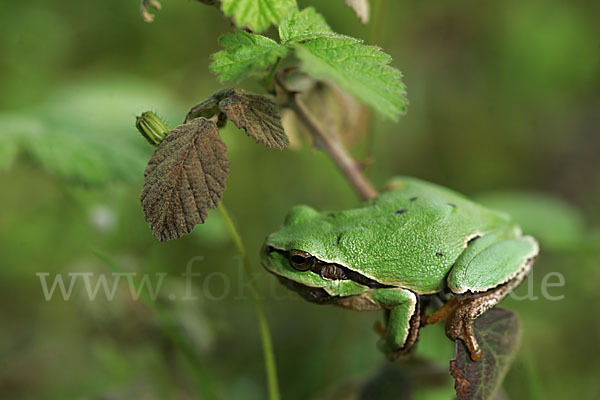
{"x":337,"y":272}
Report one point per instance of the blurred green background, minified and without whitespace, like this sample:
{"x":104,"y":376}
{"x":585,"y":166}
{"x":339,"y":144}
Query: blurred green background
{"x":505,"y":100}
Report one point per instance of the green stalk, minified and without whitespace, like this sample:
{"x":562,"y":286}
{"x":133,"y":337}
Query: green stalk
{"x":378,"y":22}
{"x":265,"y":334}
{"x":155,"y":131}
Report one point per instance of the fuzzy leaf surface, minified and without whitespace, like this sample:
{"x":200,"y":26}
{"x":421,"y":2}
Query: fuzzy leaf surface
{"x":304,"y":25}
{"x":257,"y":15}
{"x":354,"y":66}
{"x":244,"y":54}
{"x":184,"y":179}
{"x":497,"y":332}
{"x":257,"y":115}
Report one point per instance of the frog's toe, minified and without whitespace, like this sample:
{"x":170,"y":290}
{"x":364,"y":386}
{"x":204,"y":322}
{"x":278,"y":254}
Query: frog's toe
{"x":460,"y":325}
{"x":463,"y":329}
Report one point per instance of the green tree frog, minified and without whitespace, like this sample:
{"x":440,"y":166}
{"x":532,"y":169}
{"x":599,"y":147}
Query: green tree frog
{"x":396,"y":252}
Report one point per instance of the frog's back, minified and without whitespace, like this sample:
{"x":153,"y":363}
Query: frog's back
{"x":409,"y":236}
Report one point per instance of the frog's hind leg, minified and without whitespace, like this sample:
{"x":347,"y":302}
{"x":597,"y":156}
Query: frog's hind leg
{"x":481,"y":281}
{"x":459,"y":324}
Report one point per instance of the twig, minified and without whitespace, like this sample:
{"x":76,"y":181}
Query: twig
{"x":332,"y":147}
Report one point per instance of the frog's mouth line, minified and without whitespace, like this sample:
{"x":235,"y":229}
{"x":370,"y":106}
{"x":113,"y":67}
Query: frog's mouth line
{"x":334,"y":271}
{"x":312,"y":294}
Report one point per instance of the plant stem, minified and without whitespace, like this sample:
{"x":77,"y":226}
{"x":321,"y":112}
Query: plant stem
{"x":334,"y":149}
{"x":378,"y":22}
{"x":267,"y":343}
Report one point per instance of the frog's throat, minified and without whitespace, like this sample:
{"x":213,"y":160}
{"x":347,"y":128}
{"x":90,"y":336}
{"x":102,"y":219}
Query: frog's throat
{"x":312,"y":294}
{"x":359,"y":302}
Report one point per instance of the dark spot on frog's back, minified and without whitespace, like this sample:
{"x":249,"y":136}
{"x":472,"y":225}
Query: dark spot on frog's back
{"x":413,"y":199}
{"x":439,"y":254}
{"x":401,"y":211}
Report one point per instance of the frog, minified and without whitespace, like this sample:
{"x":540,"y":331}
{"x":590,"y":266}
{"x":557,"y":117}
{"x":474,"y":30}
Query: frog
{"x":414,"y":245}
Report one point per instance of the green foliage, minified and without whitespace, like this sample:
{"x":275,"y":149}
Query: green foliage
{"x":13,"y":126}
{"x":75,"y":132}
{"x":502,"y":108}
{"x":557,"y":224}
{"x":245,"y":55}
{"x":257,"y":14}
{"x":354,"y":66}
{"x":307,"y":24}
{"x":69,"y":153}
{"x":360,"y":69}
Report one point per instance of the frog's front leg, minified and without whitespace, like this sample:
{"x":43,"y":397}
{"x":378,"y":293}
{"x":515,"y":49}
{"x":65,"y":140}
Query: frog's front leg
{"x":482,"y":278}
{"x":403,"y":319}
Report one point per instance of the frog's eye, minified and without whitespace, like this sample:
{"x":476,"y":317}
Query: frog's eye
{"x":300,"y":260}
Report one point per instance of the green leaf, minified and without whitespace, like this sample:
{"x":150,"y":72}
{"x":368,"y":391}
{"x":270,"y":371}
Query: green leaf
{"x":8,"y":152}
{"x":257,"y":14}
{"x":358,"y":68}
{"x":557,"y":224}
{"x":498,"y":332}
{"x":83,"y":133}
{"x":244,"y":55}
{"x":304,"y":25}
{"x":184,"y":179}
{"x":73,"y":155}
{"x":12,"y":128}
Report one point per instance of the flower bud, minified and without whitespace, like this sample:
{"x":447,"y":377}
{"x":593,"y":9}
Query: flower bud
{"x":152,"y":128}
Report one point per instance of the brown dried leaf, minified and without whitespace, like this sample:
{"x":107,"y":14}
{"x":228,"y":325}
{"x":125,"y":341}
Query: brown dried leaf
{"x":257,"y":115}
{"x":361,"y":9}
{"x":497,"y":332}
{"x":184,"y":179}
